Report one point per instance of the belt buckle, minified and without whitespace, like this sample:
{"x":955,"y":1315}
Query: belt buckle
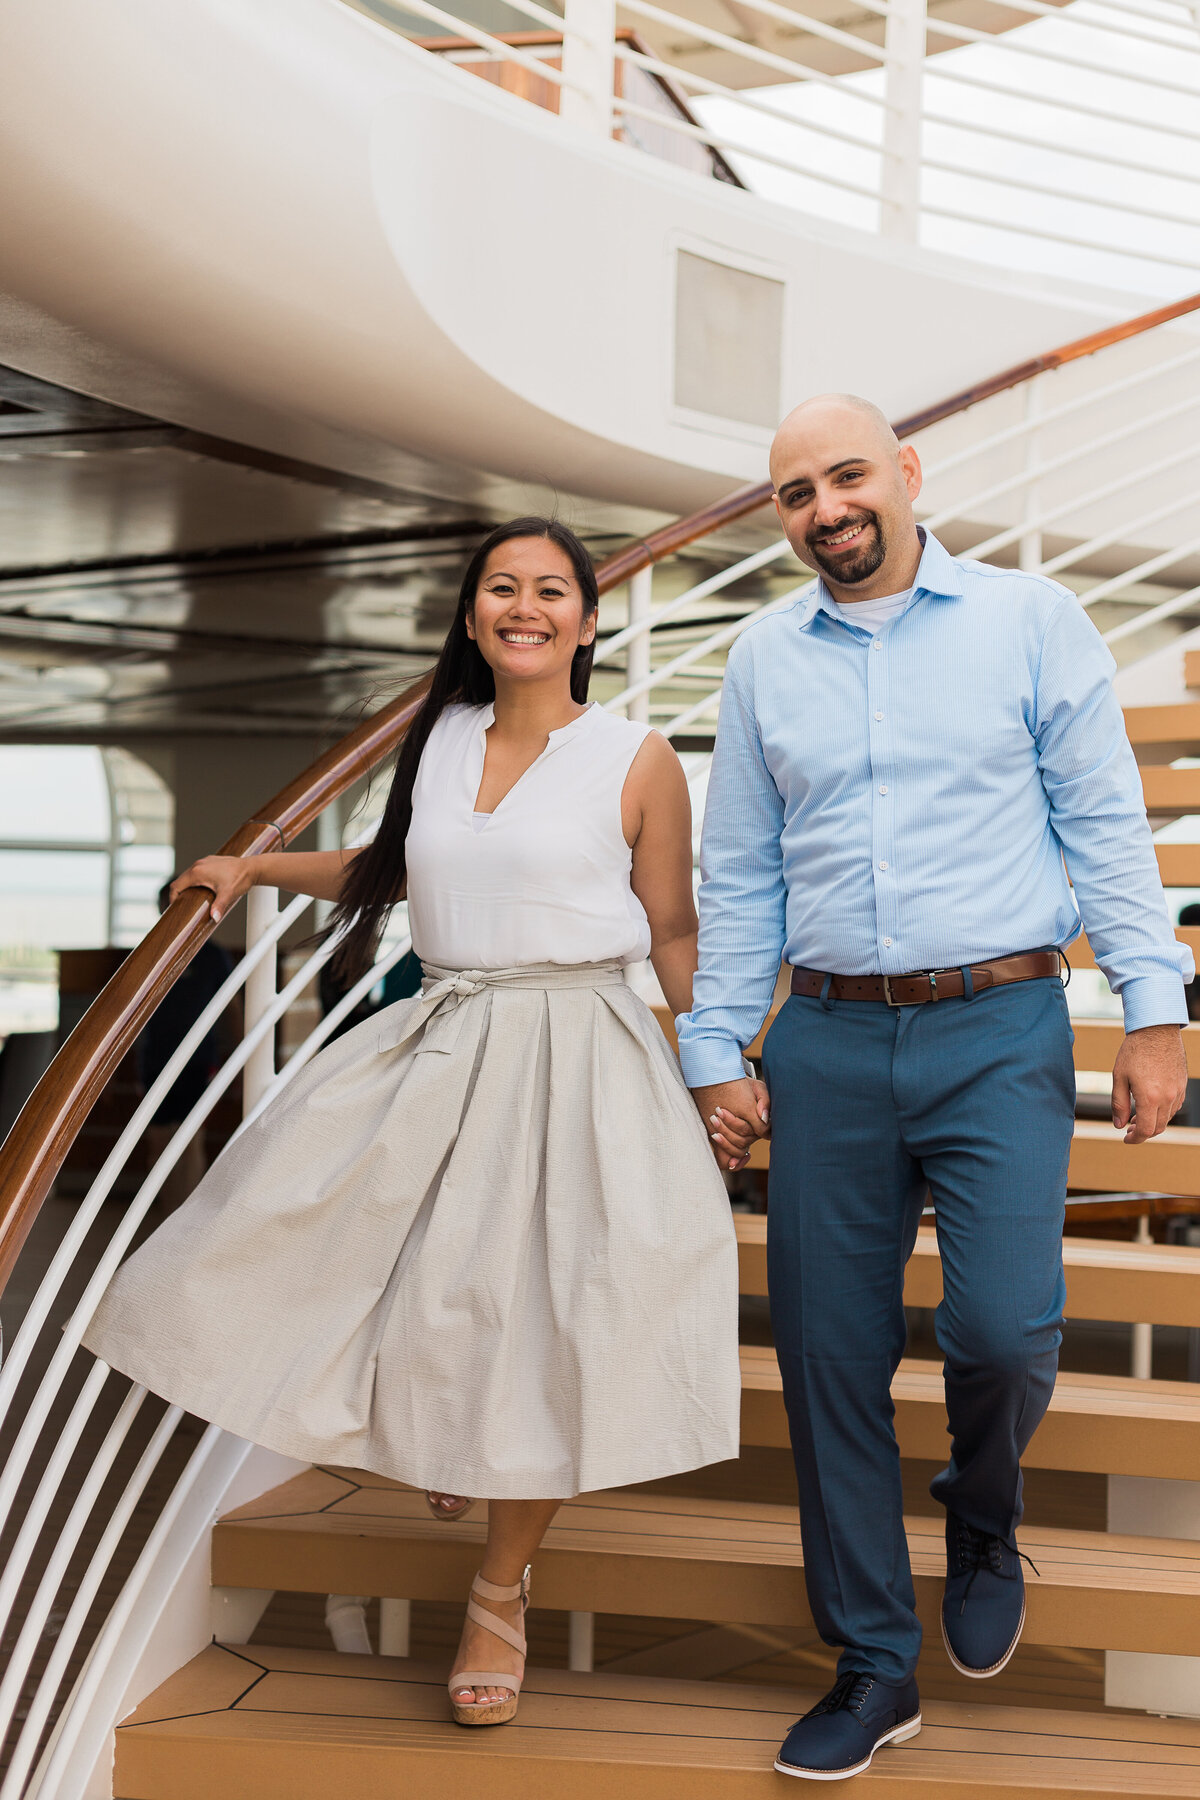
{"x":930,"y":976}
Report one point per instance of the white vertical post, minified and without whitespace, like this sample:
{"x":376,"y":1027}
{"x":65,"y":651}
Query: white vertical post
{"x":1029,"y":546}
{"x":262,"y":906}
{"x":581,"y":1641}
{"x":900,"y":185}
{"x":329,"y":837}
{"x":641,"y":592}
{"x":395,"y":1627}
{"x":1141,"y":1357}
{"x":589,"y":28}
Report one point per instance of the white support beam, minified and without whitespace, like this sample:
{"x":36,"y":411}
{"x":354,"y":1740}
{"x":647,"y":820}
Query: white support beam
{"x":900,"y":183}
{"x":589,"y":31}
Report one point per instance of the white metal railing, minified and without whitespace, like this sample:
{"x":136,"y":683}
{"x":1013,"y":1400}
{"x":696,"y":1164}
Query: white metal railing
{"x":47,"y":1454}
{"x":1069,"y":143}
{"x":1000,"y":477}
{"x":1105,"y":452}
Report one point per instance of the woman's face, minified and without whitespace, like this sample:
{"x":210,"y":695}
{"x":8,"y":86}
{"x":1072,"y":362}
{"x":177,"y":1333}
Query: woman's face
{"x":528,"y":614}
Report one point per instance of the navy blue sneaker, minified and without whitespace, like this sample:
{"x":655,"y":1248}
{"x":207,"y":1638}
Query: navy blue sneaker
{"x":983,"y":1607}
{"x":843,"y":1731}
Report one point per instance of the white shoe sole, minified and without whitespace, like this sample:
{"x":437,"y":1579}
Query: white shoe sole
{"x":986,"y":1674}
{"x":898,"y":1735}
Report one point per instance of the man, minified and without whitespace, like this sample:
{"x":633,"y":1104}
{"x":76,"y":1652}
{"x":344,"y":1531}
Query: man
{"x":903,"y":759}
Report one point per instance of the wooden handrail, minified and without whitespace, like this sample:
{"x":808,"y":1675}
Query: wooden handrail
{"x":744,"y":500}
{"x":33,"y":1152}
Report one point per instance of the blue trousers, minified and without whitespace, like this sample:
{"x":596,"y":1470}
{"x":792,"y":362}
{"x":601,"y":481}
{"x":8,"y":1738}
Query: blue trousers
{"x":869,"y":1103}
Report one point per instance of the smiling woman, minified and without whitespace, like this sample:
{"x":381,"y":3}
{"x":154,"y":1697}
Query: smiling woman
{"x":480,"y":1244}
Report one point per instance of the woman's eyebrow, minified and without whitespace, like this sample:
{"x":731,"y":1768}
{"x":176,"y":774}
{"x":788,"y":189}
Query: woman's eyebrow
{"x":503,"y":575}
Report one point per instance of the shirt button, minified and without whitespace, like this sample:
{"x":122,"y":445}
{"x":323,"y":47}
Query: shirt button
{"x":877,"y":645}
{"x":887,"y":943}
{"x":883,"y":790}
{"x":883,"y":865}
{"x":879,"y":715}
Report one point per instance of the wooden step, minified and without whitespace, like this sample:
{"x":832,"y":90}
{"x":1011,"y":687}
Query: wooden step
{"x":267,"y":1724}
{"x":1102,"y":1162}
{"x":1164,"y":732}
{"x":1170,"y":792}
{"x":674,"y":1557}
{"x":1098,"y":1040}
{"x":1156,"y":1284}
{"x":1103,"y":1424}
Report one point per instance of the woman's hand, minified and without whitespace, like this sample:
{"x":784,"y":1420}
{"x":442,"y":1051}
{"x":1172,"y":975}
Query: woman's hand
{"x":736,"y":1114}
{"x":229,"y":877}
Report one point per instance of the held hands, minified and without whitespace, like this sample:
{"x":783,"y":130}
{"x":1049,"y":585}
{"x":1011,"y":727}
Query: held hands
{"x":735,"y":1114}
{"x":1149,"y":1081}
{"x":229,"y":877}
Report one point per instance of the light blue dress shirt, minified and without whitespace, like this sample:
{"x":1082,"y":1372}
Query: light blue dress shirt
{"x":882,"y":804}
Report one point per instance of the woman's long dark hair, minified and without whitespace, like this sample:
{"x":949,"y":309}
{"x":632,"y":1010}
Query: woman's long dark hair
{"x":375,"y":878}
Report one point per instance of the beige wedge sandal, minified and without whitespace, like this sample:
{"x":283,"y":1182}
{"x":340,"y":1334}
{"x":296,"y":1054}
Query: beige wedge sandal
{"x":492,"y":1712}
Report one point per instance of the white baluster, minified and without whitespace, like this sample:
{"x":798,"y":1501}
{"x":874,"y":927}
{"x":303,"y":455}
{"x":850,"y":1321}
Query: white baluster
{"x":262,"y":906}
{"x":589,"y":27}
{"x":900,"y":182}
{"x":641,"y":589}
{"x":581,"y":1641}
{"x":1029,"y":546}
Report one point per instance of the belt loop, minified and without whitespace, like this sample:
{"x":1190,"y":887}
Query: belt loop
{"x":826,"y":1002}
{"x":968,"y":982}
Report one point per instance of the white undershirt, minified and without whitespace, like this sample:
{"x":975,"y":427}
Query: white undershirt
{"x":872,"y":615}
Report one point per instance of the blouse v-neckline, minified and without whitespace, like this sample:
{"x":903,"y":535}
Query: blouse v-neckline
{"x":554,"y":741}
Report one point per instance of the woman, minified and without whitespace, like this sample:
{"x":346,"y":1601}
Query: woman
{"x":479,"y":1244}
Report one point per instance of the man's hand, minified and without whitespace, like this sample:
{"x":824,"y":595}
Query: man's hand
{"x":735,"y":1113}
{"x":1149,"y":1081}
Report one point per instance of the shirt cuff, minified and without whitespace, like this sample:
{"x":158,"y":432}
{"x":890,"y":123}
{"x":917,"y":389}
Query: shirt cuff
{"x":708,"y":1060}
{"x":1153,"y":1000}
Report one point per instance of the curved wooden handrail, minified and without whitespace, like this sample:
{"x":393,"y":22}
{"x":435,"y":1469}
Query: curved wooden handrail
{"x":745,"y":500}
{"x":33,"y":1152}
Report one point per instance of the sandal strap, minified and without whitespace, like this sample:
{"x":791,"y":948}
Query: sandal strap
{"x":485,"y":1678}
{"x":490,"y":1591}
{"x":498,"y":1627}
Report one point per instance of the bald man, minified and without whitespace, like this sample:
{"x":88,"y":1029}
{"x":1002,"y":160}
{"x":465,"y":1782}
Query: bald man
{"x":904,"y":756}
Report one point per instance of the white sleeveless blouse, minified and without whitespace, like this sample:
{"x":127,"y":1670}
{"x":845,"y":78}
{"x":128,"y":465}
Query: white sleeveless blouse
{"x":544,"y":878}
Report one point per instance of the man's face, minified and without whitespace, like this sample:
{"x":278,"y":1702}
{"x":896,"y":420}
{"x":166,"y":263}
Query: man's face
{"x":844,"y":499}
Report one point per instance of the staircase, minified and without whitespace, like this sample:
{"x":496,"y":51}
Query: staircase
{"x":256,"y":1721}
{"x":722,"y":1575}
{"x":678,"y":1607}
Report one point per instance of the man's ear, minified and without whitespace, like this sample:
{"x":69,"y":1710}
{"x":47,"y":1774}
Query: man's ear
{"x":910,"y":466}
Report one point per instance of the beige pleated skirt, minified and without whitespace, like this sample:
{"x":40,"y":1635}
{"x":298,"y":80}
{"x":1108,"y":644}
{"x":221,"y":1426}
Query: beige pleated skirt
{"x":479,"y":1244}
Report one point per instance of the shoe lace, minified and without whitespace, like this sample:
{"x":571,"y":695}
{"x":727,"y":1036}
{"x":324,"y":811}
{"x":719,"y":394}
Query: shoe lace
{"x":846,"y":1695}
{"x":981,"y":1550}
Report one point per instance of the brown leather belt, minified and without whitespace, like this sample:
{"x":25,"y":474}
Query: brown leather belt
{"x":928,"y":984}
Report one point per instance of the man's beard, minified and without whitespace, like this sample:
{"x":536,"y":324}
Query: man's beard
{"x":848,"y":571}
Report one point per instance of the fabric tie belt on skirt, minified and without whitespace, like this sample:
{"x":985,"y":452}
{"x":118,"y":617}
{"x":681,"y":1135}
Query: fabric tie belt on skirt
{"x":438,"y":1011}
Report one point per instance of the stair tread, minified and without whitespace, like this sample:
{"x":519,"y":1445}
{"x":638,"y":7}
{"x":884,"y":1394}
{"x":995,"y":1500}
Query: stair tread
{"x":1118,"y":1395}
{"x":265,"y":1724}
{"x":1156,"y":1283}
{"x":638,"y":1553}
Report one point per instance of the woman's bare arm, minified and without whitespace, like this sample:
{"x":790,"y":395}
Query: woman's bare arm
{"x":657,"y":817}
{"x":656,"y":813}
{"x":316,"y":872}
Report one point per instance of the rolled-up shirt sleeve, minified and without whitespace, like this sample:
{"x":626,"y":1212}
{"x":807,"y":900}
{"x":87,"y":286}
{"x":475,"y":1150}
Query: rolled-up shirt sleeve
{"x":1099,"y":817}
{"x":743,"y":899}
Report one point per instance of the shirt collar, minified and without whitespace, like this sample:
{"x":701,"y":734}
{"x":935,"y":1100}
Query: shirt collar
{"x":937,"y":573}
